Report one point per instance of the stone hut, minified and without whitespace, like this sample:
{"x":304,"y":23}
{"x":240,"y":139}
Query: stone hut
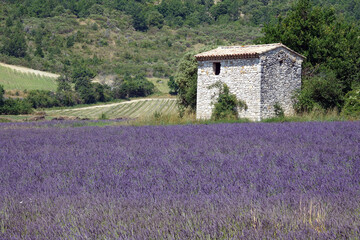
{"x":260,"y":75}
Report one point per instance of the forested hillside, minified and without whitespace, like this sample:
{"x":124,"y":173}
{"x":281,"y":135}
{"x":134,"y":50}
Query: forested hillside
{"x":131,"y":40}
{"x":131,"y":36}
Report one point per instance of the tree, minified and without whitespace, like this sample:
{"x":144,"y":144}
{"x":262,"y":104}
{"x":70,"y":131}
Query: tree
{"x":63,"y":83}
{"x":137,"y":14}
{"x":328,"y":42}
{"x":70,"y":41}
{"x":302,"y":30}
{"x":81,"y":76}
{"x":64,"y":93}
{"x":173,"y":86}
{"x":40,"y":8}
{"x":38,"y":41}
{"x":99,"y":92}
{"x":219,"y":9}
{"x":39,"y":52}
{"x":14,"y":44}
{"x":352,"y":103}
{"x":15,"y":107}
{"x":186,"y":79}
{"x":41,"y":99}
{"x":2,"y":92}
{"x":128,"y":86}
{"x":154,"y":18}
{"x":323,"y":90}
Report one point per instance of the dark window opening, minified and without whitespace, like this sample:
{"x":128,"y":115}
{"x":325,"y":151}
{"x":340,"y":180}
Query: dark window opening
{"x":281,"y":62}
{"x":216,"y":67}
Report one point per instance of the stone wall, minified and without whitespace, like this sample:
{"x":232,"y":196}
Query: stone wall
{"x":260,"y":82}
{"x":243,"y":78}
{"x":281,"y":76}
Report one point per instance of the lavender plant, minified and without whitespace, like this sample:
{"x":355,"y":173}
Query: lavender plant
{"x":222,"y":181}
{"x":60,"y":123}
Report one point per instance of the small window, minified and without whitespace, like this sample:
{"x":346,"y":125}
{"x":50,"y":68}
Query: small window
{"x":216,"y":67}
{"x":281,"y":62}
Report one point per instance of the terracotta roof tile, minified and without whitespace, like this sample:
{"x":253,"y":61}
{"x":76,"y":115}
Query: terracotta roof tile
{"x":236,"y":52}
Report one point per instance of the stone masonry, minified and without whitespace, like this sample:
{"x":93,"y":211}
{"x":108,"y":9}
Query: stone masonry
{"x":260,"y":75}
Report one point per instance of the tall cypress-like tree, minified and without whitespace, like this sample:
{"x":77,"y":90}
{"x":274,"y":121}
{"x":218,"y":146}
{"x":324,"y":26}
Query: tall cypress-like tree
{"x":2,"y":92}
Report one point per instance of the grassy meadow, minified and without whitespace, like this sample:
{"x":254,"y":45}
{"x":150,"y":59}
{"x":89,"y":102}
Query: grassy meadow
{"x":161,"y":85}
{"x":132,"y":109}
{"x":15,"y":80}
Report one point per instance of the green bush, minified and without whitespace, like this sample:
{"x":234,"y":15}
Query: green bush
{"x":103,"y":117}
{"x":323,"y":90}
{"x":279,"y":111}
{"x":173,"y":86}
{"x":68,"y":98}
{"x":15,"y":107}
{"x":137,"y":86}
{"x":63,"y":83}
{"x":226,"y":105}
{"x":154,"y":18}
{"x":2,"y":92}
{"x":81,"y":75}
{"x":87,"y":94}
{"x":102,"y":92}
{"x":42,"y":99}
{"x":70,"y":41}
{"x":303,"y":101}
{"x":352,"y":103}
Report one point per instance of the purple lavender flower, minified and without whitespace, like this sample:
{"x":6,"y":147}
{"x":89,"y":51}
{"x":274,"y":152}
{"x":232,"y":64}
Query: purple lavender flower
{"x":221,"y":181}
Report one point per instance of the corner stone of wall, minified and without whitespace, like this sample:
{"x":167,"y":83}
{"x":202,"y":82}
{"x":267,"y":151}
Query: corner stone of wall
{"x":281,"y":77}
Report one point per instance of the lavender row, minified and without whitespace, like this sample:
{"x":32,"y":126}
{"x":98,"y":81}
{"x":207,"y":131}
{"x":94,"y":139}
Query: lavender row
{"x":57,"y":123}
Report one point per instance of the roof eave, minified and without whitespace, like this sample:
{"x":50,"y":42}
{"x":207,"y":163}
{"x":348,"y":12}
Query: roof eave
{"x":226,"y":57}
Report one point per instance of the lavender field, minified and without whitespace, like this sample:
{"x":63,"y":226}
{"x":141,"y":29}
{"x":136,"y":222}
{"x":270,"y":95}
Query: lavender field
{"x":220,"y":181}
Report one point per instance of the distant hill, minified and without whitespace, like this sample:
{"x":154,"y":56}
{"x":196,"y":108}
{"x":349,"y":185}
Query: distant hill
{"x":130,"y":36}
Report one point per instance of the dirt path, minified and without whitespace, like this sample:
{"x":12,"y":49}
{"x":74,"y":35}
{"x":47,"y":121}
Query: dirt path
{"x":115,"y":104}
{"x":29,"y":70}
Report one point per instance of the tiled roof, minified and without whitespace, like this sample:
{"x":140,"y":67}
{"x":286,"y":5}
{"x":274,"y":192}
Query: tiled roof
{"x":236,"y":52}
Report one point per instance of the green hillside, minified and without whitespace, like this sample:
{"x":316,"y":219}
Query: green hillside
{"x":15,"y":80}
{"x":130,"y":36}
{"x":119,"y":49}
{"x":134,"y":40}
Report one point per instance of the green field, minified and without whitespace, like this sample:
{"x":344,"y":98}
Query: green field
{"x":131,"y":109}
{"x":161,"y":84}
{"x":15,"y":80}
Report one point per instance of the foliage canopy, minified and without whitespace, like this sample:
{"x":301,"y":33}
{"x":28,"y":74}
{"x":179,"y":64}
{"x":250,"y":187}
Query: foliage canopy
{"x":2,"y":92}
{"x":186,"y":79}
{"x":332,"y":48}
